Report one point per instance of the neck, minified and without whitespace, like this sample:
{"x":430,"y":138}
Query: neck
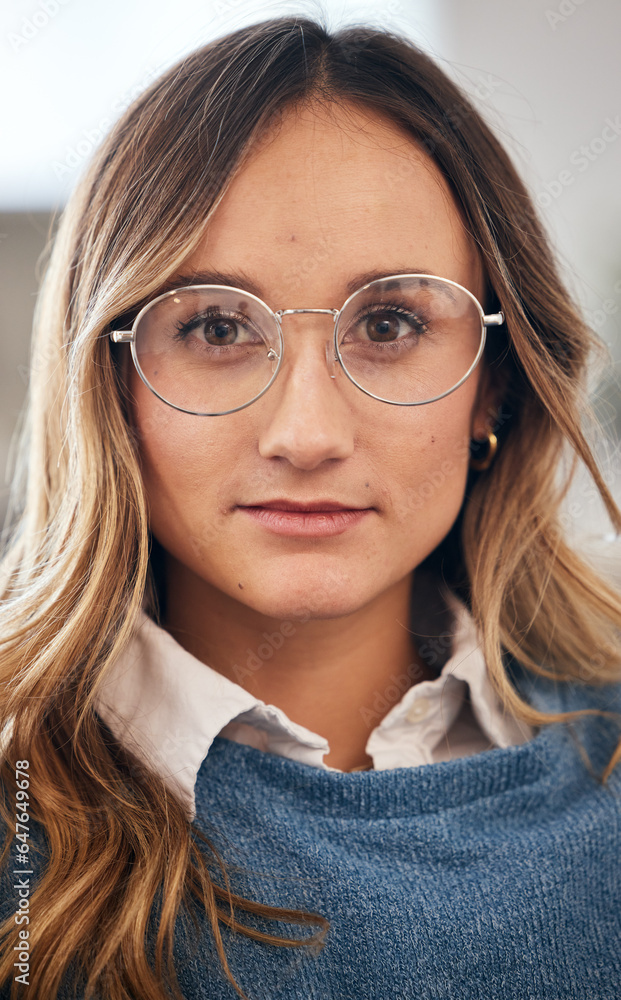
{"x":338,"y":677}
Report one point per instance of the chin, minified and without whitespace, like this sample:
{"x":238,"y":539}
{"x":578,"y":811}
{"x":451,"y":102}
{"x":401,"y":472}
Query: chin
{"x":312,"y":603}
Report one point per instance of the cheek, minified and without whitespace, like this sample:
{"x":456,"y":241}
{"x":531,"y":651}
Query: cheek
{"x":431,"y":469}
{"x":181,"y":460}
{"x":184,"y":480}
{"x":439,"y":483}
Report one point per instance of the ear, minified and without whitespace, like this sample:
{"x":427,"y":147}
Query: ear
{"x":490,"y":394}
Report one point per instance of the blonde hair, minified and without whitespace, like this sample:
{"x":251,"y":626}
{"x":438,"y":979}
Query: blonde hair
{"x":77,"y":564}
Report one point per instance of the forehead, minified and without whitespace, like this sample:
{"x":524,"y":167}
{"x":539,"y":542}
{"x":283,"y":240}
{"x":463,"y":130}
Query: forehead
{"x":331,"y":191}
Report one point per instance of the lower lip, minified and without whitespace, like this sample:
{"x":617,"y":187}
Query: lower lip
{"x":310,"y":524}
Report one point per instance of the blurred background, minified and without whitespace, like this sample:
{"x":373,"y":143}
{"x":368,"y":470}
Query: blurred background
{"x":546,"y":75}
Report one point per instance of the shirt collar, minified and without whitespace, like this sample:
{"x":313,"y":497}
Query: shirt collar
{"x":464,"y":673}
{"x":167,"y":706}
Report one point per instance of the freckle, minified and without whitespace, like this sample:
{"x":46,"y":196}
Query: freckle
{"x":292,"y":239}
{"x":433,"y":440}
{"x":366,"y":484}
{"x":240,"y":586}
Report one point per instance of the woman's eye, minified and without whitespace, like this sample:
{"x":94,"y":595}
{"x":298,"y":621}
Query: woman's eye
{"x":218,"y":330}
{"x":388,"y":325}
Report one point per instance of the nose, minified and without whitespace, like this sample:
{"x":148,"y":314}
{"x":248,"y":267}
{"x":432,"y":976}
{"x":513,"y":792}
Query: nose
{"x":308,"y":417}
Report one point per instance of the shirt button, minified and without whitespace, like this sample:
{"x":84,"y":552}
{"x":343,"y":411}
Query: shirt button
{"x":418,"y":710}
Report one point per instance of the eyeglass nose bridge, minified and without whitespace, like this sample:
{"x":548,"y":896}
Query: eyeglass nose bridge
{"x":331,"y":355}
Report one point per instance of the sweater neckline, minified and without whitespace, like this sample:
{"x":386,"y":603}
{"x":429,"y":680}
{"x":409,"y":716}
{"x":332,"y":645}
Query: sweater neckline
{"x":247,"y":773}
{"x":550,"y":762}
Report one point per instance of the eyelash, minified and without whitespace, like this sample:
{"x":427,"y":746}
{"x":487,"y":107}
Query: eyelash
{"x":184,"y":328}
{"x":420,"y":323}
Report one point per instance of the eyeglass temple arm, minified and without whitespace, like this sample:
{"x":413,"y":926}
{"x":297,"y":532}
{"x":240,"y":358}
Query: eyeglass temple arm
{"x":494,"y":319}
{"x":121,"y":336}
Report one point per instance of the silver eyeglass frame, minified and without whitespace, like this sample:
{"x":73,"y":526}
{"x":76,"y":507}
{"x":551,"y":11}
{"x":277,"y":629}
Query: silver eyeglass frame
{"x":129,"y":337}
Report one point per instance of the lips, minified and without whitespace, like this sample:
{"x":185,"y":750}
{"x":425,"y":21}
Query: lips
{"x":305,"y":506}
{"x":305,"y":519}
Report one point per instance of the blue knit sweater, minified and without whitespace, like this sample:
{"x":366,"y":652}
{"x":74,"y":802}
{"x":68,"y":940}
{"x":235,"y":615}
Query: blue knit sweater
{"x":490,"y":877}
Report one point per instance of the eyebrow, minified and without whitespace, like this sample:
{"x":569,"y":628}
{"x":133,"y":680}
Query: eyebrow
{"x":239,"y":279}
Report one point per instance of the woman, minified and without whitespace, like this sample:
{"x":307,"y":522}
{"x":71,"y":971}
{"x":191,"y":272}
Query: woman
{"x":291,"y":632}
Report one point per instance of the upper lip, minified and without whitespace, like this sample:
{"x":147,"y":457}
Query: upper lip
{"x":308,"y":505}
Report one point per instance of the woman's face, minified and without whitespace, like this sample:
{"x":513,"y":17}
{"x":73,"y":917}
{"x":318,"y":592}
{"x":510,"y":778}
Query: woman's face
{"x":329,"y":197}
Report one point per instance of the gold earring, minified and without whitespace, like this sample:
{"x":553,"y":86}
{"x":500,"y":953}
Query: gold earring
{"x":484,"y":463}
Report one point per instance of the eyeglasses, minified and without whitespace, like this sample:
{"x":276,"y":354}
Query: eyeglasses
{"x":405,"y":339}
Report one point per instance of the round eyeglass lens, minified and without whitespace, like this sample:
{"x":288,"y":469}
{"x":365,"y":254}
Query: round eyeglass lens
{"x":206,"y":349}
{"x":410,"y":339}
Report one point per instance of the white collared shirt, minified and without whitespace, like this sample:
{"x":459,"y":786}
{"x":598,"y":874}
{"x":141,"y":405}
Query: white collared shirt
{"x":167,"y":706}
